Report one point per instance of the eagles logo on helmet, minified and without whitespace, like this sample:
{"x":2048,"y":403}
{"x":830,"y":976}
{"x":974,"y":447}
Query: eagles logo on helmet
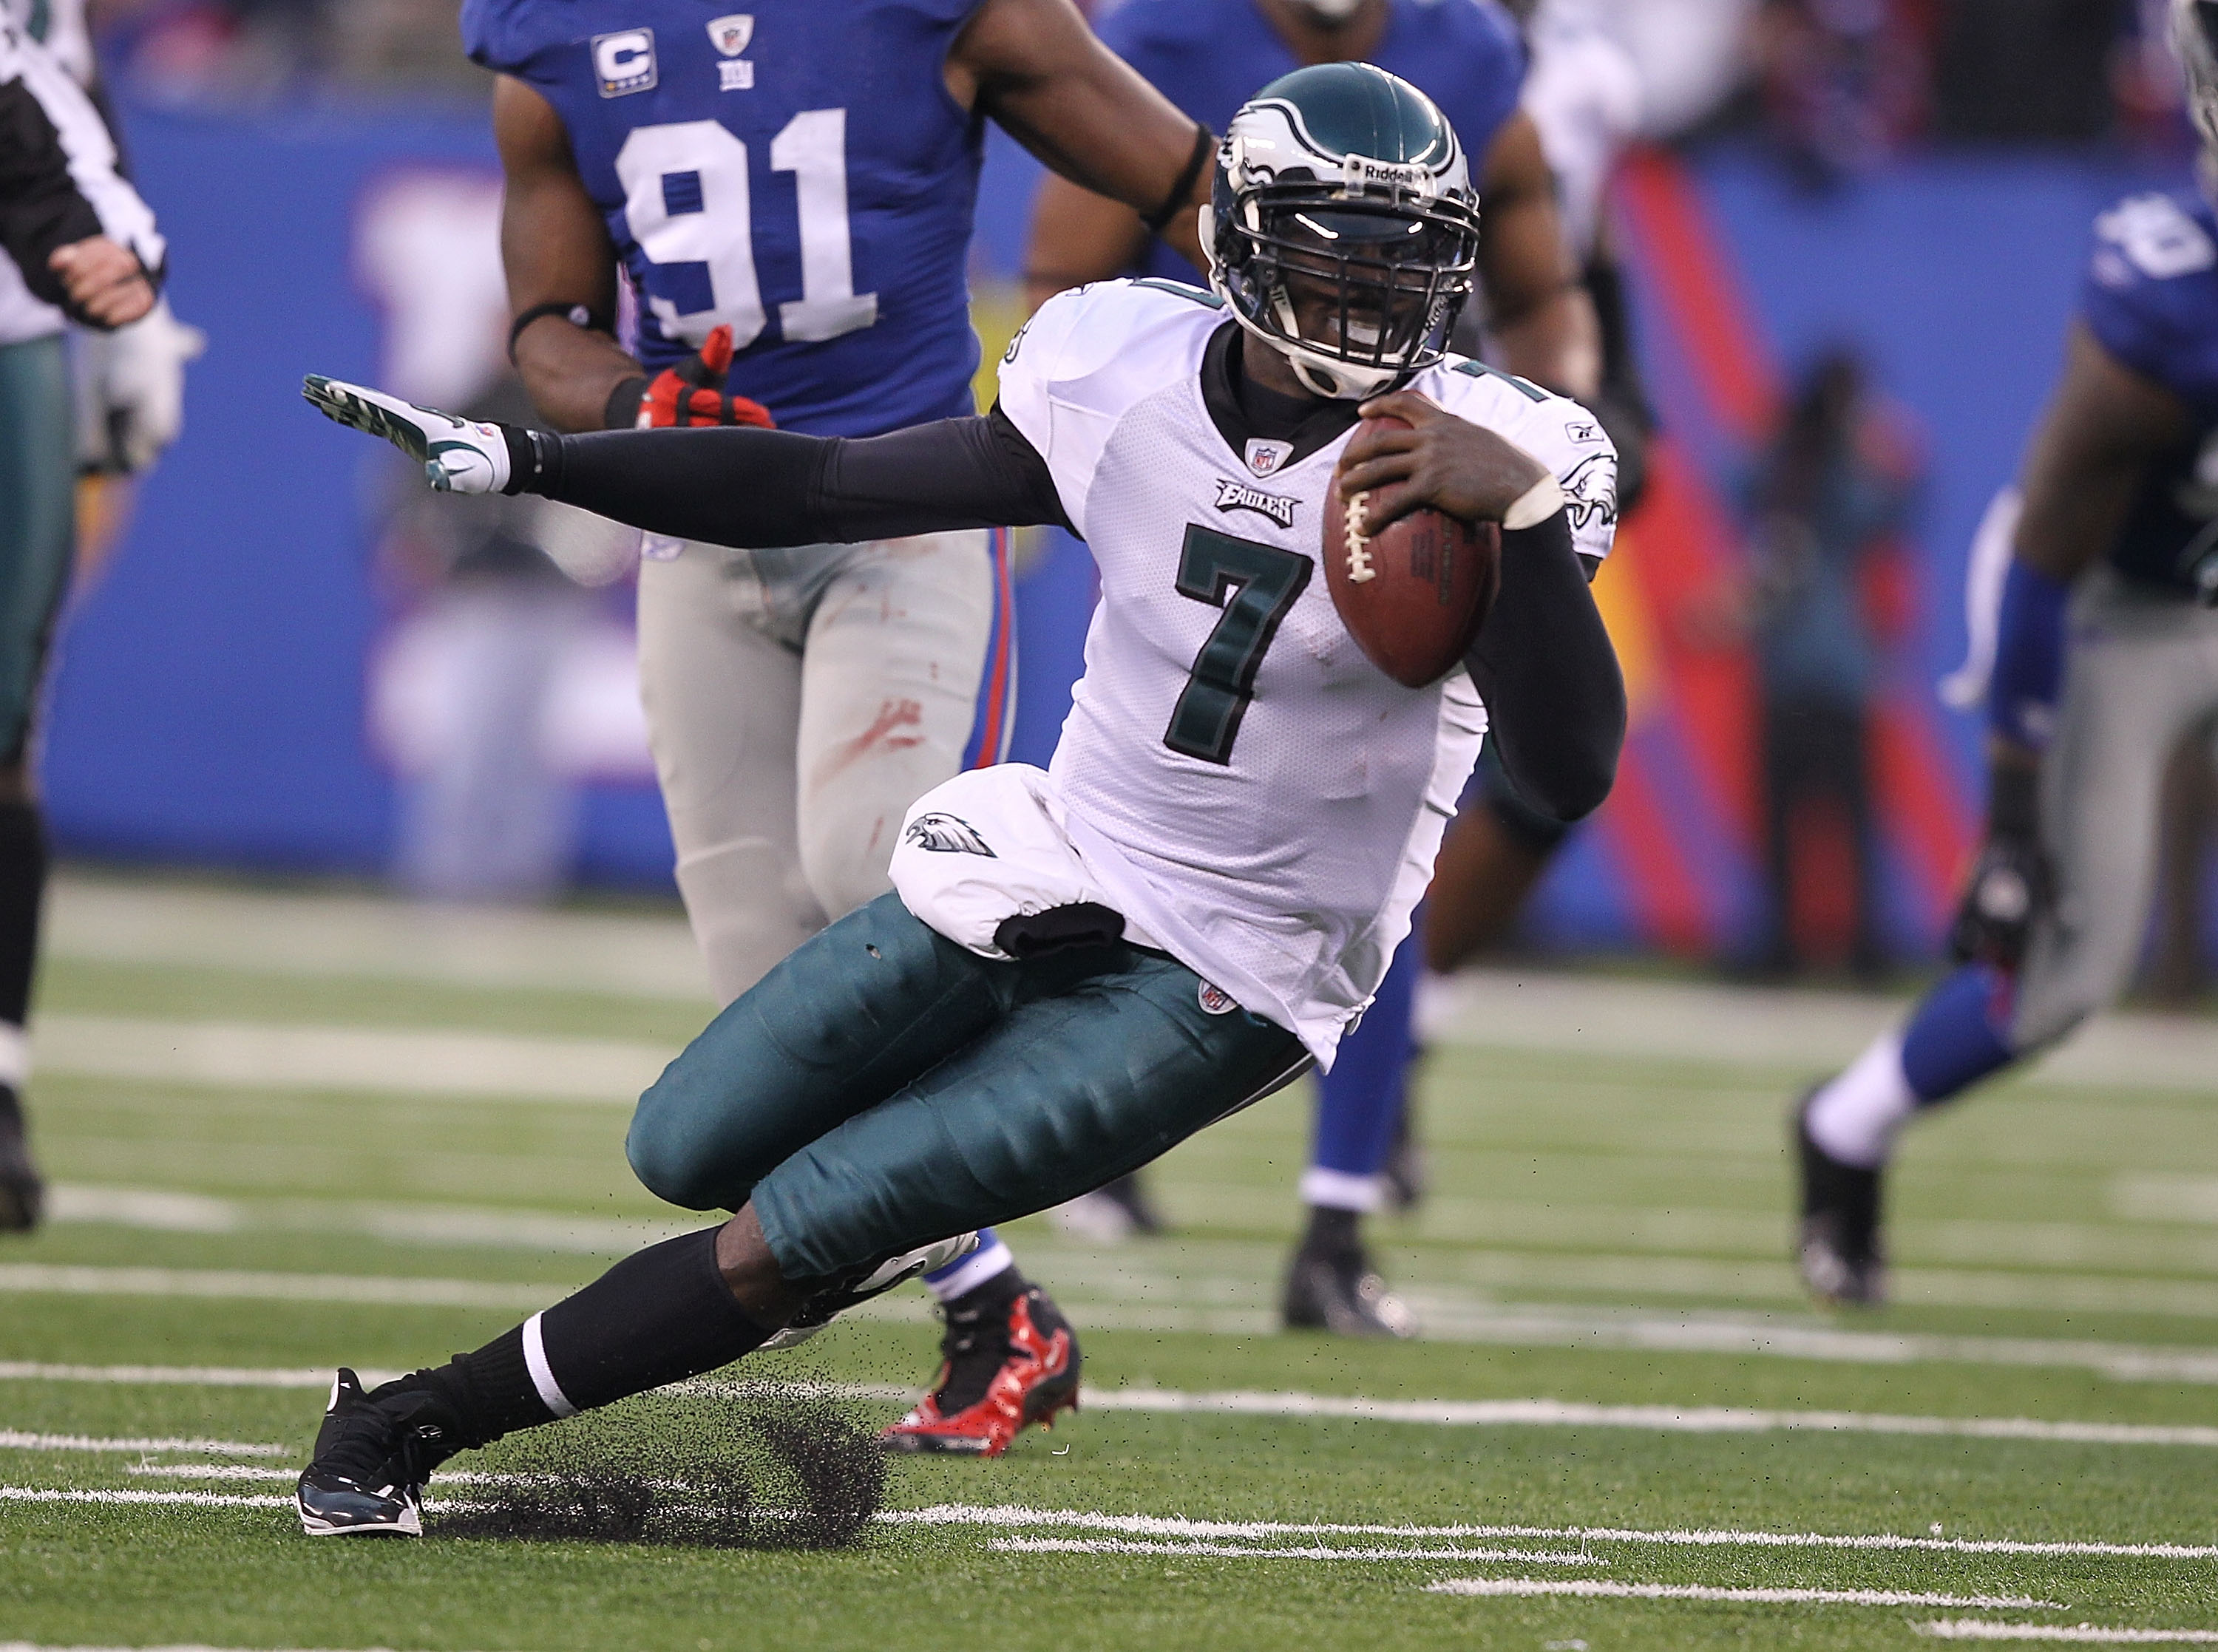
{"x":1343,"y":229}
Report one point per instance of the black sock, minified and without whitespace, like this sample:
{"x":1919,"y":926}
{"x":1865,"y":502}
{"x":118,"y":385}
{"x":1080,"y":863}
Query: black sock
{"x":661,"y":1316}
{"x":1332,"y":1233}
{"x":22,"y":886}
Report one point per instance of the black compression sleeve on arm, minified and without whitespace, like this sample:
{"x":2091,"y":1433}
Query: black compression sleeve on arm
{"x":747,"y":487}
{"x":1555,"y":699}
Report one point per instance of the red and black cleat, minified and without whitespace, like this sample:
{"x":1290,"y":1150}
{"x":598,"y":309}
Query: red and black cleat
{"x":1011,"y":1359}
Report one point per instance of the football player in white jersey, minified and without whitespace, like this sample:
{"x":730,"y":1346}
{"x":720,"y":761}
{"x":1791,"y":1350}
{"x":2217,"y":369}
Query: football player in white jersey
{"x":1081,"y":967}
{"x":76,"y":245}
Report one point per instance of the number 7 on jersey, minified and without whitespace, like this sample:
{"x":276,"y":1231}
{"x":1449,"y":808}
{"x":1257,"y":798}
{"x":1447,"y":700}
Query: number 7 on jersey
{"x":1206,"y":719}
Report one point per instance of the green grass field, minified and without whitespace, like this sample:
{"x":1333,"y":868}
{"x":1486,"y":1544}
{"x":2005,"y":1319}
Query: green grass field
{"x":291,"y":1130}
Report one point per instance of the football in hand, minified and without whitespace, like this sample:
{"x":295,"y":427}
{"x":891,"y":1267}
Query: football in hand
{"x":1414,"y":594}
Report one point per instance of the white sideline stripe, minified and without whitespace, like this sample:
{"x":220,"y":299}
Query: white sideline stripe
{"x":1238,"y":1551}
{"x":249,"y":1055}
{"x":390,"y":1292}
{"x":1595,"y":1588}
{"x":1158,"y":1526}
{"x":16,"y":1439}
{"x":1975,"y":1628}
{"x":1667,"y":1419}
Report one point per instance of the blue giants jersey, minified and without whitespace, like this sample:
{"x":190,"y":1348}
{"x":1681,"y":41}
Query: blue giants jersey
{"x":797,"y":170}
{"x":2152,"y":300}
{"x":1209,"y":57}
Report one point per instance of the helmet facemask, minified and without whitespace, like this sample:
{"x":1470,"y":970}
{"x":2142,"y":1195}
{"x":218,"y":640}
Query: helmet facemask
{"x":1357,"y":290}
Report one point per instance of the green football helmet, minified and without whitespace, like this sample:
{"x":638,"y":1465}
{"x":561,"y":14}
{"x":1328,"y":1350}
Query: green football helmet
{"x":1343,"y":229}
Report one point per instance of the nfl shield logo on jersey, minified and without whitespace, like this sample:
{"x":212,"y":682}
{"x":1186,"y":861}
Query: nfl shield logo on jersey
{"x":1215,"y":1000}
{"x":624,"y":62}
{"x":730,"y":35}
{"x":1264,"y":457}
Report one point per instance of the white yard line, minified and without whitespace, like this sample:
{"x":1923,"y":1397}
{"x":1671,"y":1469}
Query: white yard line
{"x":1739,"y":1026}
{"x":1181,"y":1534}
{"x":243,"y":1056}
{"x":328,"y":934}
{"x":379,"y":1291}
{"x":313,"y":1377}
{"x":17,"y":1440}
{"x":1449,"y":1316}
{"x":189,"y":1498}
{"x":1017,"y":1517}
{"x":1240,"y":1551}
{"x":1595,"y":1589}
{"x":1668,"y":1419}
{"x":1975,"y":1628}
{"x":27,"y":1646}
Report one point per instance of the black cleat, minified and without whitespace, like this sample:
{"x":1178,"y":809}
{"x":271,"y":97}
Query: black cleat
{"x":1838,"y":1248}
{"x":1338,"y":1290}
{"x":373,"y":1455}
{"x":23,"y":1195}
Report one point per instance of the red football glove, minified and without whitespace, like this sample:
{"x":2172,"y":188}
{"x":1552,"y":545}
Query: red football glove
{"x":691,"y":394}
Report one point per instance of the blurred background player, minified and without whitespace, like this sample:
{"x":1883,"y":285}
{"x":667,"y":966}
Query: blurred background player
{"x":1822,"y":501}
{"x":799,"y":700}
{"x":1207,"y":58}
{"x":1585,"y":96}
{"x":80,"y":246}
{"x":2106,"y":651}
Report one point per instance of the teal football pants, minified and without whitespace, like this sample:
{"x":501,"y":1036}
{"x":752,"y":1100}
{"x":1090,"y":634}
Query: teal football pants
{"x":38,"y":522}
{"x":883,"y":1087}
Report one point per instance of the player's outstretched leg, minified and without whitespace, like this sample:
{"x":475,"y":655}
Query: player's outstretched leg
{"x":671,"y":1311}
{"x":1844,"y":1130}
{"x":1331,"y":1284}
{"x":1008,"y":1358}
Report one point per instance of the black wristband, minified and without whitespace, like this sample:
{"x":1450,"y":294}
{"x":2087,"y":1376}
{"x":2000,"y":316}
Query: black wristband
{"x":622,"y":411}
{"x":1204,"y":142}
{"x":577,"y":315}
{"x":2014,"y":801}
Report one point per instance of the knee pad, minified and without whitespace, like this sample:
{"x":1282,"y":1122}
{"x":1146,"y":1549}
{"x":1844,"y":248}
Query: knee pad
{"x":663,"y":1151}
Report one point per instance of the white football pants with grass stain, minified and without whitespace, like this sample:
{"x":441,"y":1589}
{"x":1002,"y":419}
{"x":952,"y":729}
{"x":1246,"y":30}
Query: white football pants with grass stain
{"x":798,"y":701}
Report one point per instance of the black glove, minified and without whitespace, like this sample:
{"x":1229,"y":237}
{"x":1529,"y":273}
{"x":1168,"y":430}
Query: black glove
{"x":2010,"y":886}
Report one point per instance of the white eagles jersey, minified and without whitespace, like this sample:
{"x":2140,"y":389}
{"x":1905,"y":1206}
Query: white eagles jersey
{"x":1254,"y":795}
{"x":29,"y":70}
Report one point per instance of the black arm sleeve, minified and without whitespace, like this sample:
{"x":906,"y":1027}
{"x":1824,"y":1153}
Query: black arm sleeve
{"x":41,"y":209}
{"x":747,"y":487}
{"x":1555,"y":699}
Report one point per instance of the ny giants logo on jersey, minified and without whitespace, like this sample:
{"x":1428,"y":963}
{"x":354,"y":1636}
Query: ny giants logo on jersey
{"x":946,"y":834}
{"x":730,"y":35}
{"x":1238,"y":496}
{"x":623,"y":62}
